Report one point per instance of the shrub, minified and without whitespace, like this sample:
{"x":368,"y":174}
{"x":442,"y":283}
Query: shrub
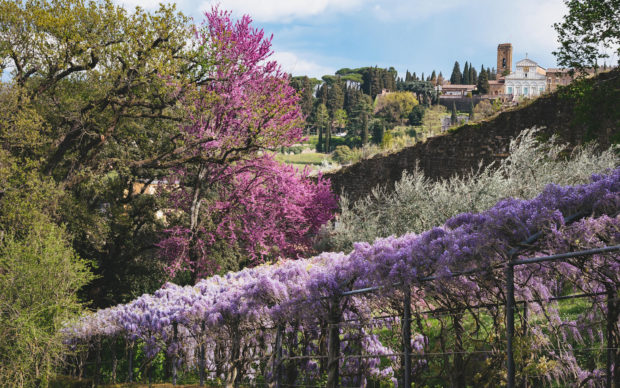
{"x":343,"y":155}
{"x":417,"y":203}
{"x":417,"y":115}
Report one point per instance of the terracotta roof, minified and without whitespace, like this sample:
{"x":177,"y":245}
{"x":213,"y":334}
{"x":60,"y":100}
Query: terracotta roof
{"x":459,"y":86}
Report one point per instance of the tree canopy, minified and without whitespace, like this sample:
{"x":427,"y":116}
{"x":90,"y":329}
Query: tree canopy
{"x":588,"y":31}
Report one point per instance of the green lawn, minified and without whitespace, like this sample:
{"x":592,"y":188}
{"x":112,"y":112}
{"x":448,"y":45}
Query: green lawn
{"x":308,"y":158}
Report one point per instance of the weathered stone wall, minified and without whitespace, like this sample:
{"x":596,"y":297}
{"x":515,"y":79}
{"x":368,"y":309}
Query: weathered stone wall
{"x":465,"y":148}
{"x":463,"y":104}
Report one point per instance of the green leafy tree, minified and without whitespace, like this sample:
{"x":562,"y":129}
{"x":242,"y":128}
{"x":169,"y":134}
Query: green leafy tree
{"x":589,"y":30}
{"x":394,"y":107}
{"x":40,"y":273}
{"x":417,"y":115}
{"x":107,"y":86}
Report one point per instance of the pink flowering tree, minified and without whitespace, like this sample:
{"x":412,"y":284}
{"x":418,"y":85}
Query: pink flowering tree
{"x":230,"y":192}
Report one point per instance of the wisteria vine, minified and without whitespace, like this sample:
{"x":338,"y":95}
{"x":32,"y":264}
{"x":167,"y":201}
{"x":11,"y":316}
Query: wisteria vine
{"x":232,"y":317}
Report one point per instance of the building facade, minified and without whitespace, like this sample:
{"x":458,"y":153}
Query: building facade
{"x":504,"y":59}
{"x":558,"y":77}
{"x":528,"y":80}
{"x":457,"y":90}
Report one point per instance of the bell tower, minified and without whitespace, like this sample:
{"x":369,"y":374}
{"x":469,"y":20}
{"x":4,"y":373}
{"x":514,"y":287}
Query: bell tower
{"x":504,"y":59}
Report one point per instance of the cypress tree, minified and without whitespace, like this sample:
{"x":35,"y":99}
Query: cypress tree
{"x":434,"y":78}
{"x":335,"y":97}
{"x":483,"y":82}
{"x":328,"y":136}
{"x":466,"y":78}
{"x":457,"y":77}
{"x":307,"y":100}
{"x":408,"y":77}
{"x":453,"y":117}
{"x":471,"y":111}
{"x":321,"y":94}
{"x":414,"y":77}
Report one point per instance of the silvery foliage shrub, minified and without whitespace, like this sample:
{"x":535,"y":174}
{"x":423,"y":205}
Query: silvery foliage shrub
{"x":417,"y":203}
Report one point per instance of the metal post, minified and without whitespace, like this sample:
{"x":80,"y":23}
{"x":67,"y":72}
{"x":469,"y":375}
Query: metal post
{"x":97,"y":378}
{"x":333,"y":346}
{"x":130,"y":363}
{"x":114,"y":360}
{"x":175,"y":331}
{"x":610,"y":337}
{"x":459,"y":364}
{"x":525,"y":313}
{"x":510,"y":323}
{"x":406,"y":327}
{"x":277,"y":360}
{"x":202,"y":356}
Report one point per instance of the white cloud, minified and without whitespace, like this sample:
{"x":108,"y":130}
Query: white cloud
{"x":399,"y":10}
{"x":294,"y":64}
{"x":282,"y":10}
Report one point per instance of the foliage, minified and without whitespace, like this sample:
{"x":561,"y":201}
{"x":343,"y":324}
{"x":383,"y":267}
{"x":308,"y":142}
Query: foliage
{"x":589,"y":29}
{"x":394,"y":107}
{"x":486,"y":108}
{"x":456,"y":77}
{"x":453,"y":116}
{"x":594,"y":104}
{"x":483,"y":82}
{"x":104,"y":86}
{"x":417,"y":115}
{"x":424,"y":91}
{"x":417,"y":204}
{"x":344,"y":155}
{"x":229,"y":315}
{"x":225,"y":189}
{"x":40,"y":275}
{"x":378,"y":130}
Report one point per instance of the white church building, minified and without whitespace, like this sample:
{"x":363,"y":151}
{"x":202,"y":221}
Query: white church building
{"x":529,"y":80}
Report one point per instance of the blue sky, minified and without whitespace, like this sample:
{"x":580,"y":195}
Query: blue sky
{"x":317,"y":37}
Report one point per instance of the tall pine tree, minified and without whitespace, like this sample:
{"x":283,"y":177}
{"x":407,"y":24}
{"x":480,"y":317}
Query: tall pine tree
{"x":454,"y":119}
{"x":457,"y":77}
{"x":335,"y":96}
{"x":466,"y":79}
{"x":483,"y":81}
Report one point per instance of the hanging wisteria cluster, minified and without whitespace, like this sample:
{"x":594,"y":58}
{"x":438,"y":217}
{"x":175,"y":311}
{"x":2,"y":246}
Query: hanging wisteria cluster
{"x":228,"y":323}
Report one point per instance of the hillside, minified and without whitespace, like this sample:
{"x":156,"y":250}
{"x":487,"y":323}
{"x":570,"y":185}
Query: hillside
{"x":585,"y":111}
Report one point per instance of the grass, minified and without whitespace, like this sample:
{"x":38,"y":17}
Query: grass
{"x":303,"y":159}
